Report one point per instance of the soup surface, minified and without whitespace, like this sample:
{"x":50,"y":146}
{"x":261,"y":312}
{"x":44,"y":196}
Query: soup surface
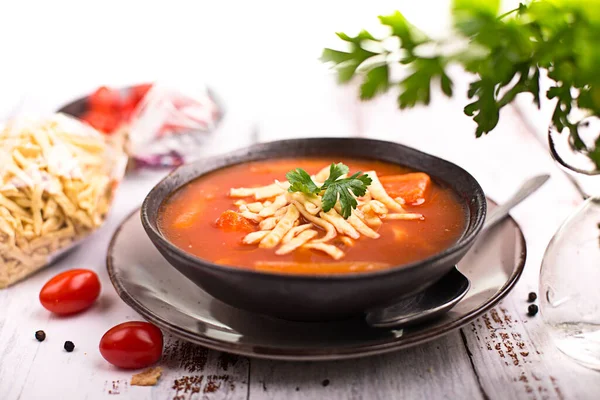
{"x":192,"y":219}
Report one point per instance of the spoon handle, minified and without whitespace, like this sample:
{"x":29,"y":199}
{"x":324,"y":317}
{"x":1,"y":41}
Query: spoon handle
{"x":528,"y":187}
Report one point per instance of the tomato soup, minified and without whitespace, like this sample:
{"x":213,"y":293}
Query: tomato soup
{"x":207,"y":219}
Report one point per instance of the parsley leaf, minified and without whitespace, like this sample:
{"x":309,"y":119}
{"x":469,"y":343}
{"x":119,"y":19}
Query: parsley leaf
{"x":376,"y":81}
{"x":345,"y":190}
{"x":348,"y":62}
{"x":506,"y":54}
{"x":335,"y":171}
{"x":300,"y":181}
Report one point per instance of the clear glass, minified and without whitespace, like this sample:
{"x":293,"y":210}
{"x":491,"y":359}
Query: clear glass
{"x":576,"y":163}
{"x":570,"y":285}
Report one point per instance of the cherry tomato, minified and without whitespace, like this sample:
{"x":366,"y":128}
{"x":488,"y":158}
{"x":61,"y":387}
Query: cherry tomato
{"x":105,"y":99}
{"x":132,"y":345}
{"x":104,"y":121}
{"x":138,"y":92}
{"x":126,"y":113}
{"x":129,"y":106}
{"x":71,"y":291}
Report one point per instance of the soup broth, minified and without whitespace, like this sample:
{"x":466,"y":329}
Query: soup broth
{"x":188,"y":219}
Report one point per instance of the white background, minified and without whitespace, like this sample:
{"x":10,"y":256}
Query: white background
{"x":53,"y":50}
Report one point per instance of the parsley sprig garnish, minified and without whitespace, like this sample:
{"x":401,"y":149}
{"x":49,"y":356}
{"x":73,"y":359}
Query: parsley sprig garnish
{"x":334,"y":189}
{"x":506,"y":53}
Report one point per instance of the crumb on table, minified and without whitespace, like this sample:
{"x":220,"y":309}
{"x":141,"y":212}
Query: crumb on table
{"x":148,"y":377}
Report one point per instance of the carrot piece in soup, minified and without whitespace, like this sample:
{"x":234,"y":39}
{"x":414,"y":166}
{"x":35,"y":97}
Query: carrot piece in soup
{"x":230,"y":221}
{"x":189,"y":216}
{"x":186,"y":219}
{"x":413,"y":187}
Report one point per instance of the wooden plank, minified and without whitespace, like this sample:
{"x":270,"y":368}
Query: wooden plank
{"x":515,"y":358}
{"x":18,"y":347}
{"x":197,"y":372}
{"x":437,"y":370}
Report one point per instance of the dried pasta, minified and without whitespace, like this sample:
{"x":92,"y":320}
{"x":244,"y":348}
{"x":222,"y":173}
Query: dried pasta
{"x":57,"y":180}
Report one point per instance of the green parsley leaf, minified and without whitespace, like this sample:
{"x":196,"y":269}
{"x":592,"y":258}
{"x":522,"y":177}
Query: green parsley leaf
{"x":506,"y":54}
{"x":488,"y":6}
{"x":346,"y":71}
{"x":376,"y":81}
{"x":416,"y":87}
{"x":410,"y":36}
{"x":345,"y":190}
{"x":335,"y":171}
{"x":300,"y":181}
{"x":346,"y":63}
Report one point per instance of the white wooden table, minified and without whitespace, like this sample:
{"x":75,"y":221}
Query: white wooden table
{"x":502,"y":355}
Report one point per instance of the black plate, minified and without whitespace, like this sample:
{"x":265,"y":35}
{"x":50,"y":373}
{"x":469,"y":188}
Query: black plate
{"x":322,"y":297}
{"x":163,"y":296}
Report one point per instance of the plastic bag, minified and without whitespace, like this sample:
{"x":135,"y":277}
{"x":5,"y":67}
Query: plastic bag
{"x":58,"y":177}
{"x":171,"y":123}
{"x":165,"y":123}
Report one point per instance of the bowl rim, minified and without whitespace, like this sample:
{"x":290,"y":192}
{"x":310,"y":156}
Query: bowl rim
{"x":197,"y":262}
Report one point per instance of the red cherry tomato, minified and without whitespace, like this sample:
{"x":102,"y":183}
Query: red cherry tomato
{"x":132,"y":345}
{"x":138,"y":92}
{"x":70,"y":291}
{"x":129,"y":106}
{"x":105,"y":122}
{"x":105,"y":99}
{"x":126,"y":113}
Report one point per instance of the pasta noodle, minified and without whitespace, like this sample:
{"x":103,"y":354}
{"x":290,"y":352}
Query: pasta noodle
{"x":330,"y":249}
{"x":296,"y":242}
{"x":279,"y":202}
{"x":294,"y":231}
{"x":283,"y":226}
{"x":269,"y":223}
{"x":340,"y":224}
{"x":297,"y":220}
{"x":255,"y":237}
{"x":57,"y":180}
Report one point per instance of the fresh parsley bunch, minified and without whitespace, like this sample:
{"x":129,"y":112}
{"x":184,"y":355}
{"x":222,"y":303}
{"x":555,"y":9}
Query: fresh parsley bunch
{"x":505,"y":52}
{"x":333,"y":189}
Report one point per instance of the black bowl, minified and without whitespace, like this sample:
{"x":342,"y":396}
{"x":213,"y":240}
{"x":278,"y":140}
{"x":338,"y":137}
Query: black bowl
{"x":322,"y":297}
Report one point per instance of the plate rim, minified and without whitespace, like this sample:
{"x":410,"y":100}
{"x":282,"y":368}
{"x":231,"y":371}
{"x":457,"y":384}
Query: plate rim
{"x":272,"y":353}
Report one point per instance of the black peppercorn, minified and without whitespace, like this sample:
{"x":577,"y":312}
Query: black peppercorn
{"x":69,"y":346}
{"x":40,"y":336}
{"x":532,"y":309}
{"x":532,"y":297}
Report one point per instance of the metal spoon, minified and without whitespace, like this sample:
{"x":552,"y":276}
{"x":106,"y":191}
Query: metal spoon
{"x":440,"y":297}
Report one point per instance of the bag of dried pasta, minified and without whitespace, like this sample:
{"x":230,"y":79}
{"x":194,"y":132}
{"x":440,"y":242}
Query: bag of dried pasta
{"x":57,"y":181}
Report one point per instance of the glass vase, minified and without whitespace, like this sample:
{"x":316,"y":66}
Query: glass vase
{"x":570,"y":285}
